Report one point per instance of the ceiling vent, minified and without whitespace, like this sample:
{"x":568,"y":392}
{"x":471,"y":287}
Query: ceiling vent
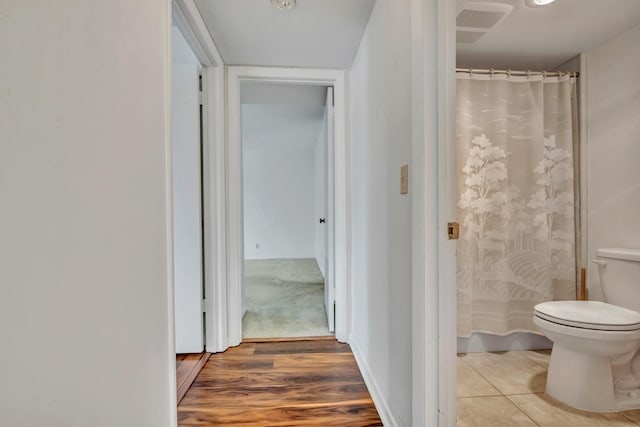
{"x":475,"y":19}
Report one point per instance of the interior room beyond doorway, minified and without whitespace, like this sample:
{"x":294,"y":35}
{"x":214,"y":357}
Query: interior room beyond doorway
{"x":286,"y":138}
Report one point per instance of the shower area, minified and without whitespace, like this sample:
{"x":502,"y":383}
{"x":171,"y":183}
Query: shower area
{"x":517,"y":198}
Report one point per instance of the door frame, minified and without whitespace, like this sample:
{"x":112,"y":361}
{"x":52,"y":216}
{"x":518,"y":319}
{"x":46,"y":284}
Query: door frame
{"x":187,"y":18}
{"x":433,"y":175}
{"x":329,"y":229}
{"x":236,"y":75}
{"x":447,"y":211}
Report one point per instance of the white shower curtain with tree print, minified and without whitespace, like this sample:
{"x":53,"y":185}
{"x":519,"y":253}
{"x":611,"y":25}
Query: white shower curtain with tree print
{"x":515,"y":154}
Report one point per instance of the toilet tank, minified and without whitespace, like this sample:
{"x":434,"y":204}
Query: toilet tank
{"x":619,"y":271}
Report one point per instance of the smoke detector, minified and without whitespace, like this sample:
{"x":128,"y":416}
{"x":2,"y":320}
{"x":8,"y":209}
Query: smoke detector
{"x":475,"y":19}
{"x":283,"y":4}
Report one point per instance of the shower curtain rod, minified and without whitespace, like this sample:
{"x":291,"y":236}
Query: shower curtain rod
{"x":527,"y":73}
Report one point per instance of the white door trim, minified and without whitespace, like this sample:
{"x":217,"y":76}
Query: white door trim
{"x":447,"y":212}
{"x":186,"y":17}
{"x":324,"y":77}
{"x":433,"y":255}
{"x":330,"y":292}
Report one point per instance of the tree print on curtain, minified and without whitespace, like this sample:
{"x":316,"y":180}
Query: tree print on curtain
{"x":515,"y":143}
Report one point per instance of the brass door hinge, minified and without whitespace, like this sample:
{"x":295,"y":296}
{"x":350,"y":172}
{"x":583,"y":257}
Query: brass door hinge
{"x":453,"y":230}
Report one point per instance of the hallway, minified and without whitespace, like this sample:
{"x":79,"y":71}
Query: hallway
{"x":299,"y":383}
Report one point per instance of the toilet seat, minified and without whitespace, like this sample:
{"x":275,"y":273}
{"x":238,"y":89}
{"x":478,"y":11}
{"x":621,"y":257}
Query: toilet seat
{"x":594,"y":315}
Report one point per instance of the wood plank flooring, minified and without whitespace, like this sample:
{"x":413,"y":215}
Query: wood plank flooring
{"x":300,"y":383}
{"x":187,"y":368}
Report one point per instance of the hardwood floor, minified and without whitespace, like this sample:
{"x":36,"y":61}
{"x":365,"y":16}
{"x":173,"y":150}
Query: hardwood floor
{"x":299,"y":383}
{"x":187,"y":368}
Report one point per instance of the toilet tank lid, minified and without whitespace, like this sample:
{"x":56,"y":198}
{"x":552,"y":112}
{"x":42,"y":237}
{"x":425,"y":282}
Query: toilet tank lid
{"x":619,"y":253}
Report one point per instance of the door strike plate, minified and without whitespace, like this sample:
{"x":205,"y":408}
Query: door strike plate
{"x":453,"y":230}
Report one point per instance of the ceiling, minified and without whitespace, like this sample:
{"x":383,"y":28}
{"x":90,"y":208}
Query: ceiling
{"x":326,"y":33}
{"x":315,"y":33}
{"x":545,"y":37}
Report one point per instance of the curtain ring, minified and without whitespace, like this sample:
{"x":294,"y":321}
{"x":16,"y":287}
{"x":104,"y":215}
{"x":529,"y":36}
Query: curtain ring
{"x":544,"y":74}
{"x":528,"y":74}
{"x":470,"y":71}
{"x":492,"y":71}
{"x":508,"y":73}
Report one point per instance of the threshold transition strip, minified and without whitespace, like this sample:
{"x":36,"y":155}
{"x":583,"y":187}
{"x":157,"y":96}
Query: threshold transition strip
{"x":188,"y":367}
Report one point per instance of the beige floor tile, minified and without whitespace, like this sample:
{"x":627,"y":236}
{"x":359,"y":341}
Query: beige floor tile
{"x":494,"y":411}
{"x":548,"y":412}
{"x":470,"y":383}
{"x":510,"y":372}
{"x":633,"y":415}
{"x":541,"y":357}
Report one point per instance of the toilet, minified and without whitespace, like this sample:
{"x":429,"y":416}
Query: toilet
{"x":595,"y":360}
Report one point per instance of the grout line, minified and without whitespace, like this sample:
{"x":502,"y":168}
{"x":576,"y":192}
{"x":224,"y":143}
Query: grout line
{"x":510,"y":402}
{"x":481,"y":396}
{"x":502,"y":352}
{"x":522,"y":410}
{"x":630,"y":419}
{"x":536,"y":362}
{"x":484,"y":378}
{"x":524,"y":394}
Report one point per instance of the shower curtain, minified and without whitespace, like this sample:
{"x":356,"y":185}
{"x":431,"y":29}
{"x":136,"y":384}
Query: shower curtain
{"x":516,"y":142}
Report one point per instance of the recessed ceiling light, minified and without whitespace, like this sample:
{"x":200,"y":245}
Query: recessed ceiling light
{"x":538,"y":3}
{"x":283,"y":4}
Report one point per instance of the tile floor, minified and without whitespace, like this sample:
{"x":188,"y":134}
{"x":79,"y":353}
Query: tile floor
{"x":507,"y":389}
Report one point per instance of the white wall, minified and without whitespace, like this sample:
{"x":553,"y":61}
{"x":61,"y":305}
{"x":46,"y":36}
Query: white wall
{"x":613,"y":141}
{"x":381,"y":132}
{"x":321,"y":195}
{"x":84,"y":271}
{"x":278,"y":145}
{"x":181,"y":52}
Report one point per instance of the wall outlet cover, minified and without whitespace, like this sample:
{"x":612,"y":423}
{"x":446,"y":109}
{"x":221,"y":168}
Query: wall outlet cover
{"x":404,"y":179}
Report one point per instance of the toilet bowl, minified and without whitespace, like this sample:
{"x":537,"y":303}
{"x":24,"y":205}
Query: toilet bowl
{"x":580,"y":372}
{"x":588,"y":335}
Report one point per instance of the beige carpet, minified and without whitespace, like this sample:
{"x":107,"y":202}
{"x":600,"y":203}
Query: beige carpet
{"x":284,"y":298}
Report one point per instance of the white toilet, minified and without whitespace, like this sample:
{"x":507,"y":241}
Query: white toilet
{"x":595,"y":361}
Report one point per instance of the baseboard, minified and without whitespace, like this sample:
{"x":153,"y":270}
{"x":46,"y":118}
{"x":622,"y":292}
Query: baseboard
{"x":378,"y":400}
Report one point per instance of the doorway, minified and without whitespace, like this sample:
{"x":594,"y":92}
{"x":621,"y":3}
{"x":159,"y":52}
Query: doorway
{"x":336,"y":217}
{"x":287,"y":137}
